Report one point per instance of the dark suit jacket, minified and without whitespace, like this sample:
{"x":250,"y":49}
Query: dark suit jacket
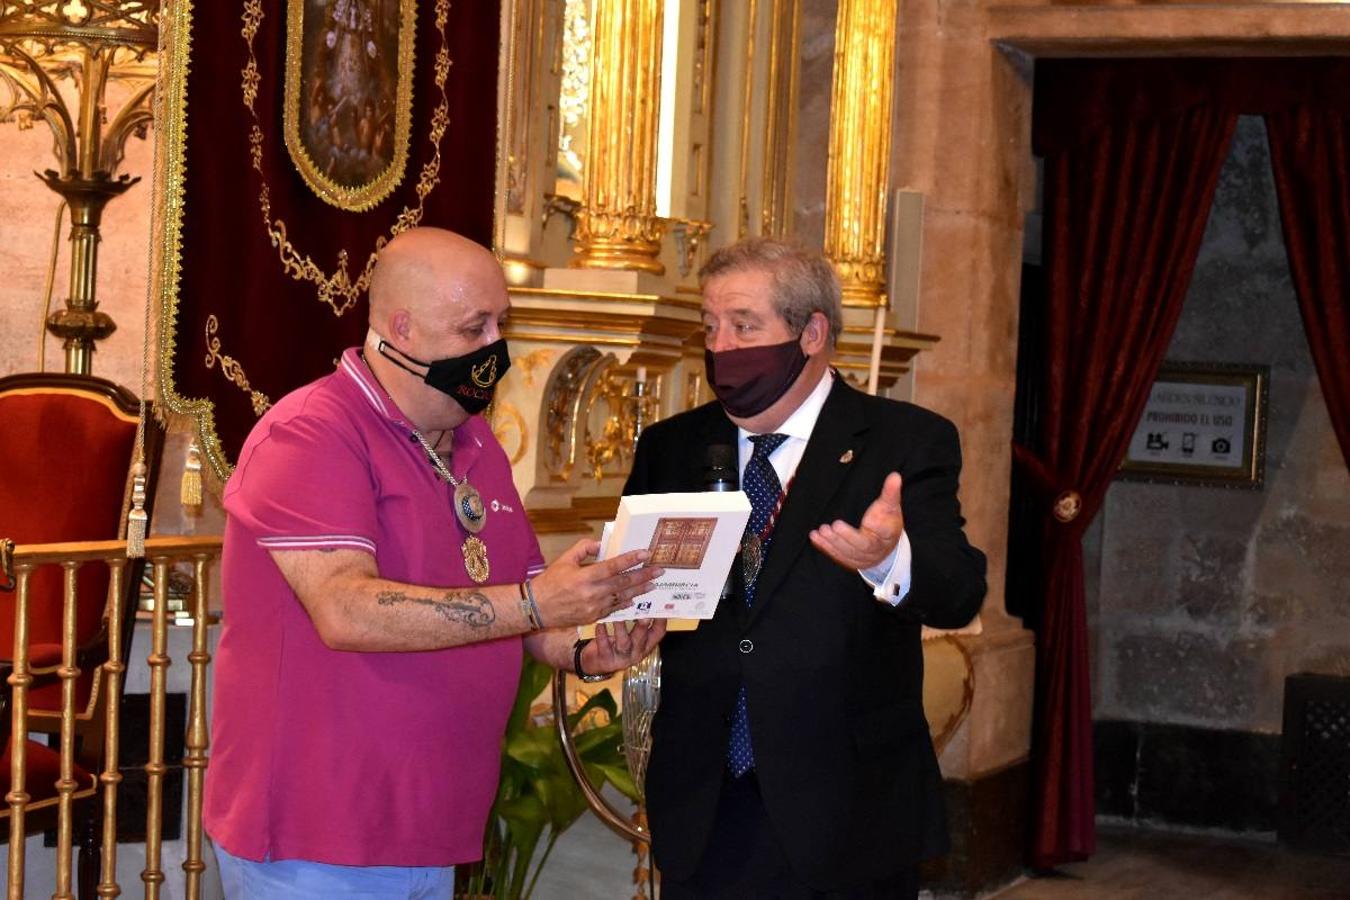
{"x":834,"y":678}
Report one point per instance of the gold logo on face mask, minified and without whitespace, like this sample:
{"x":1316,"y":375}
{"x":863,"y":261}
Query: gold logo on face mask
{"x":485,"y":375}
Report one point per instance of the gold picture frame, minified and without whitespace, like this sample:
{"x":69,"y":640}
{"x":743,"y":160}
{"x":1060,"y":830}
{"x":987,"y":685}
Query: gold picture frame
{"x":1204,"y":423}
{"x":355,"y":135}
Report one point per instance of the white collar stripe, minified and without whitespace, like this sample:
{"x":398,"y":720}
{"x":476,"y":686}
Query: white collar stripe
{"x":366,"y":388}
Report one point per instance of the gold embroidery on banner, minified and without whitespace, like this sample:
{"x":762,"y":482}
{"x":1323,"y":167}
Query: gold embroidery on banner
{"x":176,"y":35}
{"x":349,"y":27}
{"x":339,"y":290}
{"x":230,"y":368}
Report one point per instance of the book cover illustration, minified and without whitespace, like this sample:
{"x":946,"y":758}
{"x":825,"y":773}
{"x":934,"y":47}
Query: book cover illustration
{"x":681,"y":543}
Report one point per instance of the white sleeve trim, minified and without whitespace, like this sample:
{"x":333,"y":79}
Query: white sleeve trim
{"x":318,"y":542}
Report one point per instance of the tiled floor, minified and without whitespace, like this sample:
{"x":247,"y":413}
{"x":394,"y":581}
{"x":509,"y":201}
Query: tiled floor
{"x":1147,"y":865}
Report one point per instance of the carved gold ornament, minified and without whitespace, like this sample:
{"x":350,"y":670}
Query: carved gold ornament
{"x":338,"y":289}
{"x":348,"y":106}
{"x":693,"y":389}
{"x":531,"y":362}
{"x":591,"y":414}
{"x":561,"y":396}
{"x":510,"y":430}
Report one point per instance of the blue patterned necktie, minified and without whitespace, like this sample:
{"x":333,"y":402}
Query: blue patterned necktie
{"x":760,"y":482}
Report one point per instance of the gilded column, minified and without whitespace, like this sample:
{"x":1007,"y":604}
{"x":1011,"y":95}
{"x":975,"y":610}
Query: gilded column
{"x":860,"y":148}
{"x":617,"y":226}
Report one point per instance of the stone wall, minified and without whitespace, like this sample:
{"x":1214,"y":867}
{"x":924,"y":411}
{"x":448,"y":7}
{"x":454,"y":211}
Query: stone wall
{"x":1203,"y":599}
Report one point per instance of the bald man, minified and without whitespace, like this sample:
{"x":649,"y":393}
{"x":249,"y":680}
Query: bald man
{"x":380,"y":579}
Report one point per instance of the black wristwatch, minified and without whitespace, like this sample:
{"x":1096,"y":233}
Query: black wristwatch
{"x":576,"y":662}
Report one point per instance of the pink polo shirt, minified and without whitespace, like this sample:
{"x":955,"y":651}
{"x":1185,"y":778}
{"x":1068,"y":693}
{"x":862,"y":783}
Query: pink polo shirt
{"x":343,"y":757}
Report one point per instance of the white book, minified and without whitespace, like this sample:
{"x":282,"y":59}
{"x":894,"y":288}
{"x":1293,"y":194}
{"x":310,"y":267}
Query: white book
{"x":693,"y":536}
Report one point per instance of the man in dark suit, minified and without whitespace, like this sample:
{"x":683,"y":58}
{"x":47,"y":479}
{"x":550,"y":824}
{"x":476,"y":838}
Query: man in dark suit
{"x":790,"y":755}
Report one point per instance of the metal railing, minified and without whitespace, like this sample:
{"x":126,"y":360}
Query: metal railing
{"x":162,"y":553}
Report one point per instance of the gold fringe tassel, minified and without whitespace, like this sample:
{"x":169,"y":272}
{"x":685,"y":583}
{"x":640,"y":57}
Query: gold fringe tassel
{"x":137,"y":520}
{"x":190,"y":489}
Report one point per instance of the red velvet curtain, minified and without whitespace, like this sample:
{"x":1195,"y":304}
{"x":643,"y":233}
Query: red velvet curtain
{"x":1310,"y":153}
{"x":1126,"y":209}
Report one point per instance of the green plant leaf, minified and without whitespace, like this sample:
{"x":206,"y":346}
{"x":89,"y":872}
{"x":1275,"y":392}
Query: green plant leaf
{"x":605,"y":739}
{"x":526,"y":810}
{"x":619,"y":776}
{"x":604,"y":700}
{"x":534,"y":676}
{"x":533,"y":748}
{"x":537,"y":792}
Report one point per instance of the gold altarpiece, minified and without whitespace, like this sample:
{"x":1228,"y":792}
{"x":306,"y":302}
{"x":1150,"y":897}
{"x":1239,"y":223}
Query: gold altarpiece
{"x":609,"y":200}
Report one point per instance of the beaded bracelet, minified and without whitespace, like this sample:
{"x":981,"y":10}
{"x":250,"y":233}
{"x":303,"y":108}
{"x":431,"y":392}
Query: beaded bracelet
{"x":529,"y":606}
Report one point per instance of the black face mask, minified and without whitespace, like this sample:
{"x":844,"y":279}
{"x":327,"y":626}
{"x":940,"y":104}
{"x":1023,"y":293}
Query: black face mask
{"x":469,"y":379}
{"x":749,"y":380}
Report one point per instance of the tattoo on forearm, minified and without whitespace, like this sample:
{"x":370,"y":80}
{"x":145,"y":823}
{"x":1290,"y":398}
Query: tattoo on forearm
{"x":465,"y":607}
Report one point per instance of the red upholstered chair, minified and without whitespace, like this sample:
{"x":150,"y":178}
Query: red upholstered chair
{"x":67,"y":443}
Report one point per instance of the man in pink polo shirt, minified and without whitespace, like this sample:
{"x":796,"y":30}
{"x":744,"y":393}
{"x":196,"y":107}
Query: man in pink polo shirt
{"x":378,"y":576}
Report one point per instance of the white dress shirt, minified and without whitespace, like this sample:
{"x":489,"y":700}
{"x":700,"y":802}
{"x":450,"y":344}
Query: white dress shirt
{"x":890,"y":578}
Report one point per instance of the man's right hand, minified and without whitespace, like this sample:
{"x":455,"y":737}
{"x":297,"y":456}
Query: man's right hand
{"x":571,"y":592}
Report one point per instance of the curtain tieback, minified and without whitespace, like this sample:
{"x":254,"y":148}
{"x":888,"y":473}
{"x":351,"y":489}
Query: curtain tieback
{"x":1067,"y":506}
{"x":1067,"y":503}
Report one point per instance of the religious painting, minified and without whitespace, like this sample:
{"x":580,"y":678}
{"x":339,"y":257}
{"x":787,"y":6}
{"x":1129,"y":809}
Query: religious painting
{"x":1204,"y":424}
{"x":349,"y":96}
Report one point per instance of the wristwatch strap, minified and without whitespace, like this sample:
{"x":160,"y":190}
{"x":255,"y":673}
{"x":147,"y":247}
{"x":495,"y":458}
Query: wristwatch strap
{"x":576,"y":662}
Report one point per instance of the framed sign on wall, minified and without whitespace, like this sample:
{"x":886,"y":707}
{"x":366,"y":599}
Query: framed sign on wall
{"x":1205,"y":423}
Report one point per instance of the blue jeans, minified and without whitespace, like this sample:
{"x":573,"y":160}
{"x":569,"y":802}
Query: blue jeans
{"x":298,"y":879}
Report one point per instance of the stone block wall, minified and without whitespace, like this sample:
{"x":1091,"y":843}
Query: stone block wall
{"x":1203,"y":599}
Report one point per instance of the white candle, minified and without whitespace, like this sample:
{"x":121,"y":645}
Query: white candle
{"x":642,"y":374}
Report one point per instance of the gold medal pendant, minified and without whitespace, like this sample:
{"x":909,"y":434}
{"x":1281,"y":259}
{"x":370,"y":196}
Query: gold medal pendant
{"x":469,"y":508}
{"x":752,"y":557}
{"x":476,"y":559}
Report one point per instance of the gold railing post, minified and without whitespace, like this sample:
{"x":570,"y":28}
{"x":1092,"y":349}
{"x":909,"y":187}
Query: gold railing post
{"x":158,"y":662}
{"x":19,"y":679}
{"x":163,"y":552}
{"x":194,"y":757}
{"x":617,"y":226}
{"x":111,"y":777}
{"x":65,"y":785}
{"x":860,"y":148}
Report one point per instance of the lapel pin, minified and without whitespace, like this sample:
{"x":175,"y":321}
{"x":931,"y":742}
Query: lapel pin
{"x":847,"y":457}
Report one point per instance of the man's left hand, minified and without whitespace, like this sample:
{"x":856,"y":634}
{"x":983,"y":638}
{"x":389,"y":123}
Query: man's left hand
{"x":873,"y":540}
{"x":615,"y":647}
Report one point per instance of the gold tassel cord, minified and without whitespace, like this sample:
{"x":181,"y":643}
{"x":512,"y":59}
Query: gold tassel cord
{"x":137,"y":520}
{"x":190,"y":488}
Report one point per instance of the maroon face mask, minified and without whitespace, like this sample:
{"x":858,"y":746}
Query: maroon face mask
{"x":749,"y":380}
